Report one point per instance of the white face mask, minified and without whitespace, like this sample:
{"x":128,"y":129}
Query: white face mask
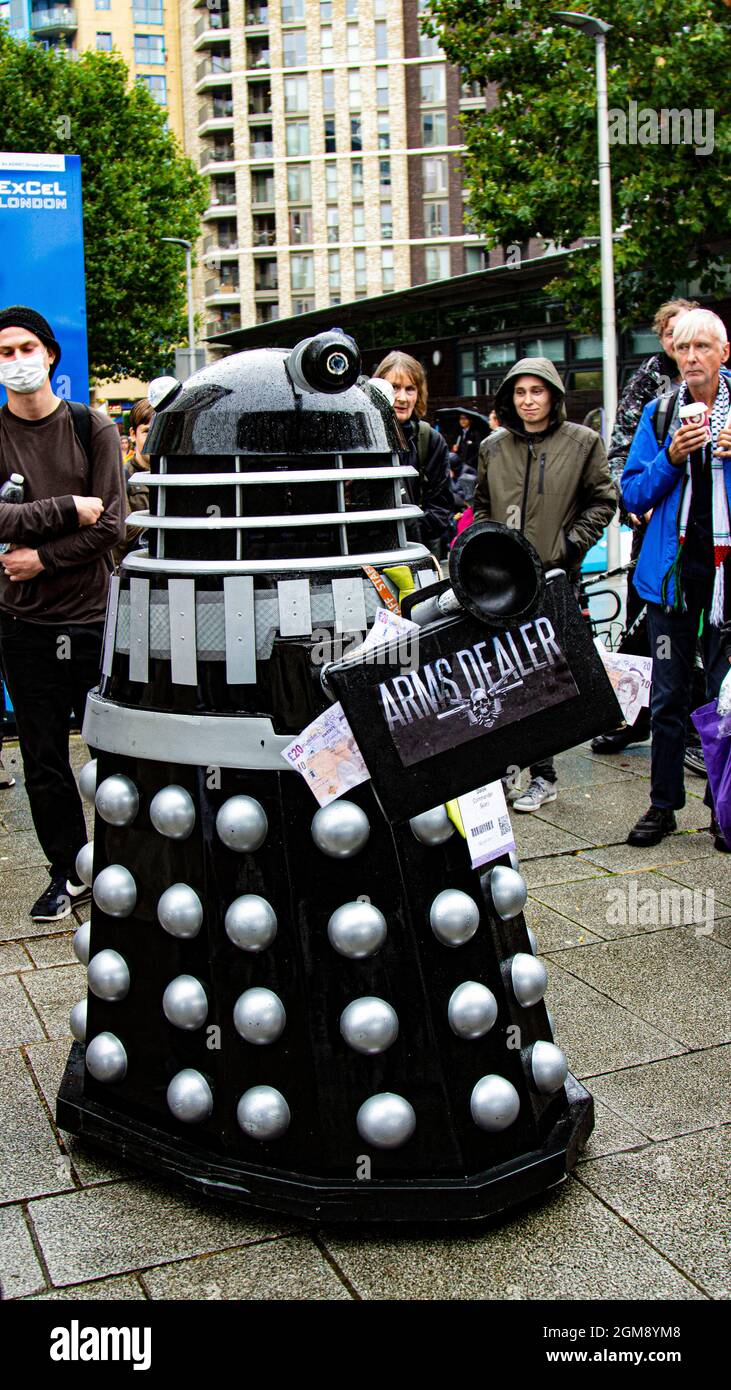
{"x":24,"y":374}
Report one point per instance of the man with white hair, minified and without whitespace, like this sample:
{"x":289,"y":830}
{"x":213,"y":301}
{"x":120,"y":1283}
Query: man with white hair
{"x":680,"y":470}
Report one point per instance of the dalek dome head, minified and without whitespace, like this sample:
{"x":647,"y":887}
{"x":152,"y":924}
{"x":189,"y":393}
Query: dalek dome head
{"x":273,"y":402}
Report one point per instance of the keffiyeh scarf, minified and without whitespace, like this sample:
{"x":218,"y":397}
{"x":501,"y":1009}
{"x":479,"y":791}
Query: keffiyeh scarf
{"x":721,"y":522}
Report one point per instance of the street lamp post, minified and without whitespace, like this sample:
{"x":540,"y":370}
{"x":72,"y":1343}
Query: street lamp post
{"x":179,"y":241}
{"x":597,"y":29}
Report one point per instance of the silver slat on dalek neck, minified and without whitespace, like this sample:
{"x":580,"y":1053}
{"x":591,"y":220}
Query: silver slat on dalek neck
{"x":282,"y":477}
{"x":161,"y":510}
{"x":110,"y":625}
{"x":183,"y":660}
{"x":239,"y":512}
{"x":350,"y":612}
{"x":295,"y":613}
{"x":140,"y":562}
{"x":139,"y":629}
{"x":340,"y":489}
{"x":271,"y":523}
{"x":238,"y":598}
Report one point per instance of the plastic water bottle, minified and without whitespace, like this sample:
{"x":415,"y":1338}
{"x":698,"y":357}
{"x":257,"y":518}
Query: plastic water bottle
{"x":11,"y":491}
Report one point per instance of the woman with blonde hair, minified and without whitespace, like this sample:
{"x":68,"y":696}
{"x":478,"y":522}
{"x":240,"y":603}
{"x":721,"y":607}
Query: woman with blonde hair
{"x":426,"y":450}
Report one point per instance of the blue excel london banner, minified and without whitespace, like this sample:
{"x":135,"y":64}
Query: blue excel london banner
{"x":42,"y":255}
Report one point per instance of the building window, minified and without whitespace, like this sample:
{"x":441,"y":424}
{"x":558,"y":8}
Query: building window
{"x":552,"y":348}
{"x":326,"y":11}
{"x":354,"y":89}
{"x":302,"y":306}
{"x":434,"y":128}
{"x":298,"y":137}
{"x":333,"y":270}
{"x":103,"y":43}
{"x":326,"y":43}
{"x":384,"y":133}
{"x":268,"y":312}
{"x":356,"y":135}
{"x":358,"y":222}
{"x":292,"y":10}
{"x":351,"y":9}
{"x":429,"y":47}
{"x":475,"y":258}
{"x":149,"y":48}
{"x":262,"y":186}
{"x":387,"y":221}
{"x":333,"y":224}
{"x":102,"y":4}
{"x":382,"y":87}
{"x":262,"y":145}
{"x":331,"y":182}
{"x":157,"y":87}
{"x":330,"y":139}
{"x":295,"y":94}
{"x":257,"y":53}
{"x":328,"y":91}
{"x":356,"y":175}
{"x":294,"y":48}
{"x":380,"y":9}
{"x":384,"y":177}
{"x":387,"y":269}
{"x":299,"y":187}
{"x":146,"y":12}
{"x":436,"y":219}
{"x":300,"y":226}
{"x":433,"y":83}
{"x":352,"y":41}
{"x":381,"y":35}
{"x":265,"y":273}
{"x":302,"y":272}
{"x":360,"y":269}
{"x":434,"y":173}
{"x":437,"y":262}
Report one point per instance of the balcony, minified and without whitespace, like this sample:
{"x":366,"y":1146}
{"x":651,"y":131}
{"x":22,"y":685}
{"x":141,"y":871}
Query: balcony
{"x":260,"y":100}
{"x":225,"y":243}
{"x":217,"y":154}
{"x":257,"y":53}
{"x":54,"y":19}
{"x":264,"y":231}
{"x":262,"y":189}
{"x":257,"y":16}
{"x":212,"y":29}
{"x":218,"y":285}
{"x":262,"y":144}
{"x":214,"y":70}
{"x":224,"y":322}
{"x":266,"y":277}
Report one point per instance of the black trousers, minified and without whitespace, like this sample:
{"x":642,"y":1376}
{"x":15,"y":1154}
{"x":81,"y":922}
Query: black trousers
{"x":49,"y":672}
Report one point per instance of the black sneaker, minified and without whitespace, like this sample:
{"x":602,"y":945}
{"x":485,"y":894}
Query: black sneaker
{"x":652,"y":827}
{"x":694,"y":760}
{"x":78,"y":892}
{"x":719,"y":842}
{"x":54,"y":904}
{"x":619,"y":739}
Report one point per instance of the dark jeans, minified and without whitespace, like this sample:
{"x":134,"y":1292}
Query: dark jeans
{"x":49,"y":672}
{"x":546,"y":769}
{"x":673,"y":638}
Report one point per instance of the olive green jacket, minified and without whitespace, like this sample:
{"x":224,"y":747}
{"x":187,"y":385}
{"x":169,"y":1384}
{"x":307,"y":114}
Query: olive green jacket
{"x":556,"y":488}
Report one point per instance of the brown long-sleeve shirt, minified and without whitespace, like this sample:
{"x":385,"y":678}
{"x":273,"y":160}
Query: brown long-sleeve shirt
{"x":72,"y":587}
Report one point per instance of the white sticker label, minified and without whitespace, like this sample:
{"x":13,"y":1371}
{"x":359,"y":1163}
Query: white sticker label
{"x":328,"y":757}
{"x":486,"y":823}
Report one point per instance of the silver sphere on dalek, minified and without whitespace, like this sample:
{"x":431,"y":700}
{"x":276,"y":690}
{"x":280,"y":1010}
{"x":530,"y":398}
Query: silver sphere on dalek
{"x":282,"y":985}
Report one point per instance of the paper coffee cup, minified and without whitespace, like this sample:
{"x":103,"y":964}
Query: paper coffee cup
{"x":694,"y":413}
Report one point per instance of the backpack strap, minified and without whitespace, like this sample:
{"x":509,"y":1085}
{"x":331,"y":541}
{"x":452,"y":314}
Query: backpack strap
{"x":662,"y":418}
{"x":423,"y":440}
{"x":81,"y":419}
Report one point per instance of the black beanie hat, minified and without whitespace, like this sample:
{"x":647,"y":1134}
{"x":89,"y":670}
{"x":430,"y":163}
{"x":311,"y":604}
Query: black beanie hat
{"x":20,"y":316}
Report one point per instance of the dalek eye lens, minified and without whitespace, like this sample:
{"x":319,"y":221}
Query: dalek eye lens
{"x":337,"y":364}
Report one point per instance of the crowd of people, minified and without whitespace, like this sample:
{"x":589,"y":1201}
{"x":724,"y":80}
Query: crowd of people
{"x":668,"y":470}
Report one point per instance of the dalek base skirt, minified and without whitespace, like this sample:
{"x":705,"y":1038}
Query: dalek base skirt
{"x":326,"y":1013}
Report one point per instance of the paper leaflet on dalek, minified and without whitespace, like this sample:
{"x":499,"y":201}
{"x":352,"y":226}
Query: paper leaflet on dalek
{"x":470,"y":697}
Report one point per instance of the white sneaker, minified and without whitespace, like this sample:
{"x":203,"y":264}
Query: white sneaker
{"x":539,"y":792}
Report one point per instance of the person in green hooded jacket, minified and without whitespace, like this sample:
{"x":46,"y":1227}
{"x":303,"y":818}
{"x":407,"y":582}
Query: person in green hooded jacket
{"x":550,"y":479}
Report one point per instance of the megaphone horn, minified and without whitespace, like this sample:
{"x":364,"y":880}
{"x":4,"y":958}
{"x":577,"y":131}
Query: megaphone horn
{"x":496,"y":574}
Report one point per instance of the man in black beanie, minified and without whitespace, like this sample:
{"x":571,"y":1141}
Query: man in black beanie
{"x":53,"y":581}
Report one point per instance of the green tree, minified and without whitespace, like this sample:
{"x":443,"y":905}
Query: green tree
{"x":531,"y":161}
{"x":137,"y":186}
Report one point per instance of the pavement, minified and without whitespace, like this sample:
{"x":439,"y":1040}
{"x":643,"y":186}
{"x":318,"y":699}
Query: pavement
{"x":638,"y":989}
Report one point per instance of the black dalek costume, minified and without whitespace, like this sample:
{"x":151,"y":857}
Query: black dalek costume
{"x":326,"y":1012}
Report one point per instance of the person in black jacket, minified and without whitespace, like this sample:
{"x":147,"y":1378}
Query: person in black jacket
{"x":426,"y":450}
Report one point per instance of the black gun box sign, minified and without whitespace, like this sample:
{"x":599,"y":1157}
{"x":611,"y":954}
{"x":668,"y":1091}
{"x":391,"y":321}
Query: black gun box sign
{"x":454,"y":707}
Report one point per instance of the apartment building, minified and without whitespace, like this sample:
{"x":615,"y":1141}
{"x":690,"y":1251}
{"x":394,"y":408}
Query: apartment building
{"x":144,"y":32}
{"x":328,"y":131}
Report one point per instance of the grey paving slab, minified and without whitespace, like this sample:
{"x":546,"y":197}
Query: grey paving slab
{"x":15,"y":811}
{"x":554,"y":932}
{"x":535,"y":837}
{"x":635,"y":759}
{"x":31,"y":1162}
{"x":677,"y":1195}
{"x":579,"y":770}
{"x":607,"y":813}
{"x":12,"y":959}
{"x":20,"y":1271}
{"x":566,"y":1247}
{"x":629,"y":904}
{"x":120,"y":1227}
{"x":675,"y":979}
{"x":91,"y":1166}
{"x":52,"y":950}
{"x":54,"y":993}
{"x":559,"y":868}
{"x":722,"y":931}
{"x":713,"y":872}
{"x":596,"y":1033}
{"x":291,"y":1268}
{"x":18,"y":1021}
{"x":19,"y":889}
{"x":23,"y":850}
{"x":124,"y":1289}
{"x":619,"y":859}
{"x":671,"y":1097}
{"x":610,"y":1134}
